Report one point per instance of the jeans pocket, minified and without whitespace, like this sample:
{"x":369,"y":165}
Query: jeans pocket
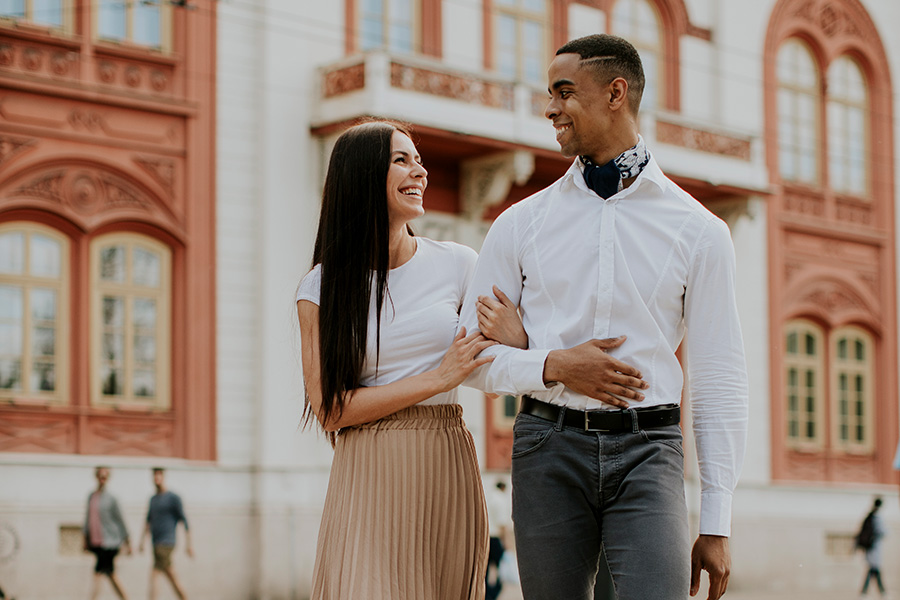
{"x":669,"y":436}
{"x":530,"y":434}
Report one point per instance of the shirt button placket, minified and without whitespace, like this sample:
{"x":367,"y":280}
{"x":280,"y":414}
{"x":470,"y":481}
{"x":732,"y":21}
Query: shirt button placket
{"x":606,"y":268}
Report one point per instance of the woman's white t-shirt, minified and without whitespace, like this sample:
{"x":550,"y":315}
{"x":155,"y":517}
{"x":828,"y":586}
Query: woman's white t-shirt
{"x":419,"y":315}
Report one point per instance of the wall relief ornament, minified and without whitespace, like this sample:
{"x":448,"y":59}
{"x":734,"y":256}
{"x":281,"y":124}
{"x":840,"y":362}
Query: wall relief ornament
{"x":161,"y":169}
{"x":11,"y":146}
{"x":47,"y":186}
{"x":829,"y":17}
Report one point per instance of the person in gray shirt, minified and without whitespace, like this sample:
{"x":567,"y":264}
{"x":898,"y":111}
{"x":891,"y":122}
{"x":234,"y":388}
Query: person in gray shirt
{"x":105,"y":533}
{"x":162,"y":518}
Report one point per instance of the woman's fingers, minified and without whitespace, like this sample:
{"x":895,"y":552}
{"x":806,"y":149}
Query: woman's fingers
{"x":504,"y":299}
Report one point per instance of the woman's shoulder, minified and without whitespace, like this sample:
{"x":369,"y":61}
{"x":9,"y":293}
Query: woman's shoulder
{"x":311,"y":285}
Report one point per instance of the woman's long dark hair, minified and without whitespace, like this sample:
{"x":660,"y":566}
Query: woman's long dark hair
{"x":352,"y":246}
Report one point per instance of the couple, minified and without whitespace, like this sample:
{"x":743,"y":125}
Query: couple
{"x":612,"y":249}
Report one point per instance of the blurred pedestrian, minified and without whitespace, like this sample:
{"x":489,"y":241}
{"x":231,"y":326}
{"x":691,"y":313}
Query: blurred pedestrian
{"x":499,"y":510}
{"x":105,"y":533}
{"x":869,"y":539}
{"x":163,"y":516}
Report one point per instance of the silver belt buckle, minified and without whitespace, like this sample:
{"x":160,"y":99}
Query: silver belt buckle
{"x":587,"y":423}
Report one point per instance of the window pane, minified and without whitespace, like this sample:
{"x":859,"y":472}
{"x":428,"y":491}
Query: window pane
{"x":860,"y":350}
{"x":113,"y":347}
{"x":112,"y":264}
{"x":43,"y":341}
{"x":45,"y":256}
{"x":12,"y":253}
{"x":810,"y":345}
{"x":13,"y":8}
{"x":535,"y":5}
{"x":792,"y":343}
{"x":147,"y":24}
{"x":112,"y":19}
{"x":650,"y":98}
{"x":111,"y":381}
{"x":842,"y":348}
{"x":10,"y":339}
{"x":372,"y":32}
{"x":506,"y":45}
{"x":43,"y":377}
{"x":47,"y":12}
{"x":145,"y":348}
{"x":113,"y":311}
{"x":10,"y":373}
{"x":146,"y":268}
{"x":533,"y":36}
{"x":10,"y":302}
{"x":43,"y":304}
{"x":144,"y":313}
{"x":144,"y":384}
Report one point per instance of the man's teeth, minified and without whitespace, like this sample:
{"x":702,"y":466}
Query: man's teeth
{"x":562,"y":130}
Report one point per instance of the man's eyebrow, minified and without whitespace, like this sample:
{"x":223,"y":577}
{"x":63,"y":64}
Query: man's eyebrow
{"x":559,"y":83}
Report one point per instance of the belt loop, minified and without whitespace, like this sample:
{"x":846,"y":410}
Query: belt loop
{"x":561,"y":419}
{"x":634,"y":420}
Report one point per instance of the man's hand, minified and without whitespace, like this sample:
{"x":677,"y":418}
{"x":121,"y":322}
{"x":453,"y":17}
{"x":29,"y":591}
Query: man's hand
{"x":126,"y":548}
{"x":711,"y":554}
{"x":190,"y":551}
{"x":588,"y":369}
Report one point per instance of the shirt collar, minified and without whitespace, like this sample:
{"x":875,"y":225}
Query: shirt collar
{"x":651,"y":173}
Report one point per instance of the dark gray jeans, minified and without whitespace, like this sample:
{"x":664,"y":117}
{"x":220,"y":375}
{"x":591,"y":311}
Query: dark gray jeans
{"x":574,"y":490}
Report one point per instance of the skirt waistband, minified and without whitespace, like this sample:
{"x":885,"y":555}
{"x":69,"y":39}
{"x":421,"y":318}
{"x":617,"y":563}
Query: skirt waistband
{"x":434,"y":416}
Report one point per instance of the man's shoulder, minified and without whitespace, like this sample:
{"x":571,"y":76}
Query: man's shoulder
{"x":530,"y":205}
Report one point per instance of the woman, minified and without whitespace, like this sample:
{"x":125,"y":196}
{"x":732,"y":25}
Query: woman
{"x":404,"y":514}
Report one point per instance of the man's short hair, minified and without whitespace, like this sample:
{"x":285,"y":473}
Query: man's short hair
{"x":611,"y":56}
{"x":158,"y":470}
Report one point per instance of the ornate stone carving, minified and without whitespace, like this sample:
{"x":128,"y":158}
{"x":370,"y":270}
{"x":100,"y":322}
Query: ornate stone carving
{"x":833,"y":299}
{"x":121,"y":195}
{"x":87,"y":119}
{"x":7,"y":54}
{"x":161,"y":169}
{"x":59,"y":63}
{"x":539,"y":103}
{"x":804,"y":205}
{"x":133,"y":76}
{"x":47,"y":186}
{"x":486,"y":93}
{"x":32,"y":59}
{"x":705,"y":141}
{"x":146,"y":438}
{"x":486,"y":180}
{"x":829,"y":17}
{"x":11,"y":146}
{"x":85,"y":193}
{"x":106,"y":71}
{"x":28,"y":435}
{"x":852,"y":212}
{"x":343,"y":81}
{"x":158,"y":80}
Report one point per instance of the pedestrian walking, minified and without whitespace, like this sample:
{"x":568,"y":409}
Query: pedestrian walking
{"x":613,"y":248}
{"x":163,"y":516}
{"x":871,"y":532}
{"x":105,"y":533}
{"x":404,"y":515}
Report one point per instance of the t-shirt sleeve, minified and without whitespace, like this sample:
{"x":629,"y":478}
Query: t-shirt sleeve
{"x":310,"y":286}
{"x":465,"y":259}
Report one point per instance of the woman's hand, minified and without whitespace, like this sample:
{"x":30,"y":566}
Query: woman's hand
{"x":462,"y":358}
{"x":499,"y":320}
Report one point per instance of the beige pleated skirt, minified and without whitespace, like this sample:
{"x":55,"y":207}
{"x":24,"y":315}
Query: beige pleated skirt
{"x":405,"y":516}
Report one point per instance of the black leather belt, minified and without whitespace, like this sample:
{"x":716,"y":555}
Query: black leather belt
{"x":606,"y":421}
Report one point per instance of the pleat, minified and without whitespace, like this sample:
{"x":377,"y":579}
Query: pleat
{"x":405,"y":515}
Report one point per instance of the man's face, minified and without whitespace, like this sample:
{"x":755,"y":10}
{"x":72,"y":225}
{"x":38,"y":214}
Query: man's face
{"x":158,"y":478}
{"x":578,"y":107}
{"x":102,"y":476}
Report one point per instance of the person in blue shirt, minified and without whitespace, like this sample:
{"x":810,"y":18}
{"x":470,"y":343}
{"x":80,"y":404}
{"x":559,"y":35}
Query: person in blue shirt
{"x":162,"y":518}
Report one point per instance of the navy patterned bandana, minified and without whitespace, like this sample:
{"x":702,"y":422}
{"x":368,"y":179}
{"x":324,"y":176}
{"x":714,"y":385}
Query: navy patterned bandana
{"x":606,"y":180}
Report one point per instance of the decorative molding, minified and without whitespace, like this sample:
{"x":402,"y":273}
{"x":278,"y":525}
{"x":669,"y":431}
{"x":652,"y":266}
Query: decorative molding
{"x":486,"y":180}
{"x":41,"y":434}
{"x":828,"y":17}
{"x":47,"y":186}
{"x":7,"y":55}
{"x":853,"y":212}
{"x":344,"y":81}
{"x":32,"y":59}
{"x":705,"y":141}
{"x":446,"y":85}
{"x":161,"y":169}
{"x":11,"y":146}
{"x":87,"y":119}
{"x":804,"y":205}
{"x":145,"y":438}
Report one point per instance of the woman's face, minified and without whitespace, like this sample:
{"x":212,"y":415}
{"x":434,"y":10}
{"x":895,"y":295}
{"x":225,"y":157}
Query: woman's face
{"x":406,"y":181}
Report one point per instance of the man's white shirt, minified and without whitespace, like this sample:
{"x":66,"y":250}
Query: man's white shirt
{"x":650,"y":262}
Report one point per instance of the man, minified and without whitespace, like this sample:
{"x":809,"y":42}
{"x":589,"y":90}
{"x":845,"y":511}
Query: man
{"x":614,"y":248}
{"x":105,"y":533}
{"x":162,"y":518}
{"x":869,"y":539}
{"x":498,"y":522}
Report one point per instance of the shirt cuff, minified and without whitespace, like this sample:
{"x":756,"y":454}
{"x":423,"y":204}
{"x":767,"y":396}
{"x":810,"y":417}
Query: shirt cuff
{"x":715,"y":513}
{"x":527,"y":371}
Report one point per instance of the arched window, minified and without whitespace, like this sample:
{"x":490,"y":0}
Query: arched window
{"x":798,"y":110}
{"x":804,"y":373}
{"x":851,"y":367}
{"x":638,"y":22}
{"x":520,"y":33}
{"x":33,"y":312}
{"x":131,"y":283}
{"x":847,"y":127}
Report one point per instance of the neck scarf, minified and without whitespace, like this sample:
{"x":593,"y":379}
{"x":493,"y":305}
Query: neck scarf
{"x":606,"y":180}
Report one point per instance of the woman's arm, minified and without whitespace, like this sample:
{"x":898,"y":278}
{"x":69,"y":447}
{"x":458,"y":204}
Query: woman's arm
{"x":367,"y":404}
{"x":499,"y":320}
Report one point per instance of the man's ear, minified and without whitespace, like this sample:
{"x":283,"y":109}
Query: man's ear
{"x":618,"y":93}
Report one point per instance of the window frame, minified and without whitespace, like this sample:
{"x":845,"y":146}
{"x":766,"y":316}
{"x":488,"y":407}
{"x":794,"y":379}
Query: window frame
{"x":66,"y":9}
{"x":165,"y":27}
{"x":386,"y":24}
{"x":60,"y":395}
{"x":128,"y":400}
{"x":846,"y":103}
{"x":519,"y":13}
{"x":838,"y":366}
{"x":797,"y":91}
{"x":803,"y":327}
{"x":658,"y":51}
